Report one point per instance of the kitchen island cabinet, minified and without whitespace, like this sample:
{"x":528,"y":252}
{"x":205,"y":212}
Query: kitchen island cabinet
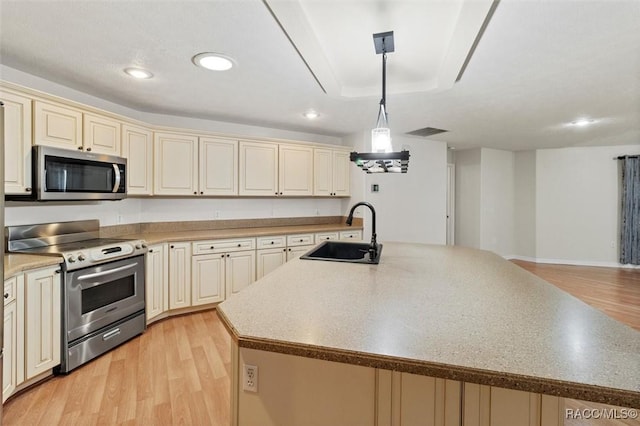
{"x":502,"y":346}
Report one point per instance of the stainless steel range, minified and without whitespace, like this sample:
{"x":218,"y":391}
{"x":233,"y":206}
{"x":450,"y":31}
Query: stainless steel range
{"x":102,"y":285}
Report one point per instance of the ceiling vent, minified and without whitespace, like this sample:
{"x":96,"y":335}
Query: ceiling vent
{"x":426,"y":132}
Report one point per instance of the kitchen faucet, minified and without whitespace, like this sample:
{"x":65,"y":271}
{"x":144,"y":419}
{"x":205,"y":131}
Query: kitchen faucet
{"x":373,"y":247}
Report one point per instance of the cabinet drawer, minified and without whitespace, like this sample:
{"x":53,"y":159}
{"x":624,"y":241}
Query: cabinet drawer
{"x":277,"y":241}
{"x":223,"y":246}
{"x":300,"y":240}
{"x":326,"y":236}
{"x":10,"y":290}
{"x":351,"y":235}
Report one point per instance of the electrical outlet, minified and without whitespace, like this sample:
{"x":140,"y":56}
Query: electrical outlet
{"x":250,"y":379}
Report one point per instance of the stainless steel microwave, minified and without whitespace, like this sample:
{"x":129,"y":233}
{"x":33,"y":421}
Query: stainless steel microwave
{"x":62,"y":174}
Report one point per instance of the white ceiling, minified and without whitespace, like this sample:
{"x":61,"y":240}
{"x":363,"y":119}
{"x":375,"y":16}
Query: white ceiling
{"x":538,"y":65}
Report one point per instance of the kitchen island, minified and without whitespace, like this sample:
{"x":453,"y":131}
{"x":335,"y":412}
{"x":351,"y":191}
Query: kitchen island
{"x":447,"y":332}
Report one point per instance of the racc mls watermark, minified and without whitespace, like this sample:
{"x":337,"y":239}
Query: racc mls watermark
{"x":601,"y":413}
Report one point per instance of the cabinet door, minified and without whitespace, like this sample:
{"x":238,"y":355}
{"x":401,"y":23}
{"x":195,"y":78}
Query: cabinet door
{"x":175,"y":159}
{"x":179,"y":275}
{"x":137,"y":148}
{"x":17,"y":144}
{"x":157,"y":281}
{"x":295,"y":165}
{"x":341,"y":174}
{"x":9,"y":350}
{"x":218,"y":167}
{"x":101,"y":134}
{"x":322,"y":172}
{"x":42,"y":321}
{"x":258,"y":168}
{"x":270,"y":259}
{"x":295,"y":252}
{"x":208,"y":278}
{"x":57,"y":125}
{"x":240,"y":271}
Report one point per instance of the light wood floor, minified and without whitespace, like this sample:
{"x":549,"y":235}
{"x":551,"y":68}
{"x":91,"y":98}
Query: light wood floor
{"x":178,"y":371}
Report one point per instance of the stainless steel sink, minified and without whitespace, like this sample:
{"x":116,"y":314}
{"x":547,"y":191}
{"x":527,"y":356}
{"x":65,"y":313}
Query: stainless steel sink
{"x":341,"y":251}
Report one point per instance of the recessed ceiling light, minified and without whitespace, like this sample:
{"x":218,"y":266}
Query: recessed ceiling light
{"x":213,"y":61}
{"x":138,"y":73}
{"x":311,"y":114}
{"x":583,"y":122}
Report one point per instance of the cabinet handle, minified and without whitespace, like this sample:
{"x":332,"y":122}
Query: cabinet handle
{"x":89,"y":149}
{"x":173,"y":246}
{"x":273,"y":242}
{"x":57,"y":271}
{"x":222,"y":255}
{"x":276,"y":193}
{"x":289,"y":249}
{"x":195,"y":192}
{"x":201,"y":192}
{"x":150,"y":250}
{"x":284,"y":249}
{"x":239,"y":245}
{"x":6,"y":295}
{"x":211,"y":248}
{"x":281,"y":193}
{"x":227,"y":255}
{"x":28,"y":189}
{"x":301,"y":240}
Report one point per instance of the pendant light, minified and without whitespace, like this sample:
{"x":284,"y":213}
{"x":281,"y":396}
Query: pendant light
{"x":382,"y":159}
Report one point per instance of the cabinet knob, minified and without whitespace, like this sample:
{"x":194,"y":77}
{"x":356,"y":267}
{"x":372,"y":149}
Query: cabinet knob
{"x":212,"y":247}
{"x":284,"y":249}
{"x":222,"y":255}
{"x":239,"y":245}
{"x":150,"y":250}
{"x":6,"y":295}
{"x":201,"y":192}
{"x":195,"y":192}
{"x":89,"y":149}
{"x":276,"y":193}
{"x":273,"y":242}
{"x":27,"y":189}
{"x":172,"y":246}
{"x":301,"y":240}
{"x":80,"y":148}
{"x":289,"y":249}
{"x":281,"y":193}
{"x":227,"y":255}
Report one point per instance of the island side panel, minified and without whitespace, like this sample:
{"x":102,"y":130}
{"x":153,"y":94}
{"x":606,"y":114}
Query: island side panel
{"x":294,"y":390}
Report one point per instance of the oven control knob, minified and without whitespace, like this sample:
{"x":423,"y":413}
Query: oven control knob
{"x":81,"y":257}
{"x":71,"y":259}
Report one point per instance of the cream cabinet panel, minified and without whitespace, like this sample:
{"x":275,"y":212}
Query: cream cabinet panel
{"x":223,"y":246}
{"x":157,"y":280}
{"x":258,"y":168}
{"x":101,"y":134}
{"x":269,"y":259}
{"x":295,"y":165}
{"x":240,"y":271}
{"x":57,"y":125}
{"x":42,"y":320}
{"x":297,"y":251}
{"x":175,"y":163}
{"x":274,"y":241}
{"x":300,"y":240}
{"x":322,"y":172}
{"x":351,"y":235}
{"x":137,"y":148}
{"x":179,"y":275}
{"x":341,"y":174}
{"x":218,"y":167}
{"x":429,"y":401}
{"x":13,"y":361}
{"x":17,"y":144}
{"x":326,"y":236}
{"x":208,"y":279}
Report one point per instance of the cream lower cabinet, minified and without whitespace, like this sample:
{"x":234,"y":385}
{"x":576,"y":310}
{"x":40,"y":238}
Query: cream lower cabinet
{"x":299,"y":244}
{"x":208,"y":278}
{"x":157,"y":280}
{"x":42,"y":320}
{"x":240,"y":271}
{"x":13,"y":360}
{"x":17,"y":144}
{"x":137,"y":148}
{"x":179,"y":275}
{"x":271,"y":253}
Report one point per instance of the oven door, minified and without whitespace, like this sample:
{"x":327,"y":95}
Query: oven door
{"x":98,"y":296}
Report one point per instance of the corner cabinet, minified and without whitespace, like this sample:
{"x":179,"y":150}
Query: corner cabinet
{"x":17,"y":144}
{"x":157,"y":281}
{"x":137,"y":148}
{"x":42,"y":320}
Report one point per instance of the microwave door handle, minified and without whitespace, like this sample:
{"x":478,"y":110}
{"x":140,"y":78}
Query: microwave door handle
{"x":116,"y":184}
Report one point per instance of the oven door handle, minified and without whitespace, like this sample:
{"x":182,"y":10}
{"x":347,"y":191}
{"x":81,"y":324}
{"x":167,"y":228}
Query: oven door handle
{"x":116,"y":184}
{"x":109,"y":272}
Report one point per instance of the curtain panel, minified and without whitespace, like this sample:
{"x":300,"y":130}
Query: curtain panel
{"x":630,"y":211}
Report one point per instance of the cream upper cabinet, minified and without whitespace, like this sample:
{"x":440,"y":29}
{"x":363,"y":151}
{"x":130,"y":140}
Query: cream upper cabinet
{"x":57,"y":125}
{"x":331,"y":176}
{"x":17,"y":143}
{"x":101,"y":134}
{"x":179,"y":275}
{"x":258,"y":168}
{"x":137,"y":148}
{"x":42,"y":320}
{"x":175,"y":160}
{"x":218,"y":166}
{"x":295,"y":170}
{"x":157,"y":280}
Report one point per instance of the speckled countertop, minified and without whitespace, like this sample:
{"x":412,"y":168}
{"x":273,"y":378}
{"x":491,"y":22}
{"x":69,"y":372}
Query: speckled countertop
{"x":441,"y":311}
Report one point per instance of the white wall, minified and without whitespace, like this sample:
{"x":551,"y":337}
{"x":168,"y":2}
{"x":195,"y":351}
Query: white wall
{"x":410,"y":207}
{"x":525,"y":203}
{"x":577,"y":203}
{"x":497,"y":201}
{"x":468,"y":213}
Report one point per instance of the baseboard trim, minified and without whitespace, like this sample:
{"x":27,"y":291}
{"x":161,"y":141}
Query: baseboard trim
{"x":570,"y":262}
